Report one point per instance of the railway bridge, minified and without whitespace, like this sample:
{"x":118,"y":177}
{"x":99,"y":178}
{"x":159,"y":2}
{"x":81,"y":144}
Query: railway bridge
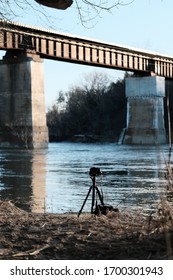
{"x":22,"y":105}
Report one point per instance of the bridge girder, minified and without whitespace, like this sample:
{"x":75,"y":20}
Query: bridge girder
{"x":49,"y":44}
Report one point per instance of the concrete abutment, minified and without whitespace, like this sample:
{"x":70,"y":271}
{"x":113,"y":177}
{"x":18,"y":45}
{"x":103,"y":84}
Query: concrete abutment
{"x":22,"y":101}
{"x":145,"y":110}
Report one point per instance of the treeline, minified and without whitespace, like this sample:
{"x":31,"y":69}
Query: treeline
{"x":96,"y":108}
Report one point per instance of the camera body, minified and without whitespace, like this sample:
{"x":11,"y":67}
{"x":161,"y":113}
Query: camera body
{"x":95,"y":171}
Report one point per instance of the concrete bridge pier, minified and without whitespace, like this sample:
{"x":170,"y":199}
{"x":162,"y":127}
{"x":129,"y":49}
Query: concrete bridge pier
{"x":145,"y":110}
{"x":22,"y":101}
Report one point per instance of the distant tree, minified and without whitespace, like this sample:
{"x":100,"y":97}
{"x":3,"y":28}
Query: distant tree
{"x":97,"y":107}
{"x":95,"y":82}
{"x":57,"y":124}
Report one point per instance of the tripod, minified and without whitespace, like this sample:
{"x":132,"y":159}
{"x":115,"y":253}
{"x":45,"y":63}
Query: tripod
{"x":95,"y":191}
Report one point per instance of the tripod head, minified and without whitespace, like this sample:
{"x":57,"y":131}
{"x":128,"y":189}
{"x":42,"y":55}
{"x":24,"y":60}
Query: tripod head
{"x":94,"y":172}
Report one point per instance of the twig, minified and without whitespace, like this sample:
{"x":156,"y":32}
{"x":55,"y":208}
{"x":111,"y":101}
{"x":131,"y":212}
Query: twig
{"x":32,"y":253}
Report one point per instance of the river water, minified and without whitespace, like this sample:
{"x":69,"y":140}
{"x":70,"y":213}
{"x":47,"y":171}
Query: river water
{"x":56,"y":180}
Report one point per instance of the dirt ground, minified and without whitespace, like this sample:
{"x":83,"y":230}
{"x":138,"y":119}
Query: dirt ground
{"x":116,"y":236}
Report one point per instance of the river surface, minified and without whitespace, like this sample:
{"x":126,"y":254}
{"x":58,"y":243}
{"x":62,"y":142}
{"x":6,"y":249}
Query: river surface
{"x":56,"y":180}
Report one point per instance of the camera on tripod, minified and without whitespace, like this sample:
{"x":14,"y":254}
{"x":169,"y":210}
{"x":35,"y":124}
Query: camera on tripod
{"x":96,"y":208}
{"x":95,"y":171}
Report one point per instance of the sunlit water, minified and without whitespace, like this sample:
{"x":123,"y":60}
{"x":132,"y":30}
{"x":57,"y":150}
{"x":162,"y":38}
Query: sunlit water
{"x":57,"y":179}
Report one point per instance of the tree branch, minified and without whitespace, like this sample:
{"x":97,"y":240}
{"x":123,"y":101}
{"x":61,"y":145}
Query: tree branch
{"x":88,"y":10}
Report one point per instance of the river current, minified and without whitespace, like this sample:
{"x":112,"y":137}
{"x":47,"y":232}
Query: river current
{"x":56,"y":180}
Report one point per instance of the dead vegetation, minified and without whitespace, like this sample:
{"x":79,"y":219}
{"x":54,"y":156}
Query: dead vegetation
{"x":121,"y":236}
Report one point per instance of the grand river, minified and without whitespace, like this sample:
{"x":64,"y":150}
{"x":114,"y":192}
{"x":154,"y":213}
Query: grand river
{"x":56,"y":180}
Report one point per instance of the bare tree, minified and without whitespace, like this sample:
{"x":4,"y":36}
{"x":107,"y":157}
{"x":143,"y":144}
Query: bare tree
{"x":90,"y":10}
{"x":87,"y":10}
{"x":96,"y":82}
{"x":15,"y":9}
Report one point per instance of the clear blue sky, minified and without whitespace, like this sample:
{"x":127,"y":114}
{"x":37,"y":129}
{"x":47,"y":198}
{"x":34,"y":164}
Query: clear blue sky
{"x":142,"y":24}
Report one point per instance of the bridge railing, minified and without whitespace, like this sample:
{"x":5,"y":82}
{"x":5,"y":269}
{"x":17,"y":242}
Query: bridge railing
{"x":52,"y":45}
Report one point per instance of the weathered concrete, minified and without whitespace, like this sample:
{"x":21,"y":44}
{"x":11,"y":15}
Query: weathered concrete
{"x":22,"y":102}
{"x":145,"y":110}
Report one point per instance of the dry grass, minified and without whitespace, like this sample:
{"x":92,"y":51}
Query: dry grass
{"x":65,"y":236}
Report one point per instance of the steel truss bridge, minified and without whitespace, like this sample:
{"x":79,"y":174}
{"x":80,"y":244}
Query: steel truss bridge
{"x":49,"y":44}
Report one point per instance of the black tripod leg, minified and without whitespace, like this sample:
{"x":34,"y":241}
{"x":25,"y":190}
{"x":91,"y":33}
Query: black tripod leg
{"x":84,"y":201}
{"x":99,"y":195}
{"x":93,"y":200}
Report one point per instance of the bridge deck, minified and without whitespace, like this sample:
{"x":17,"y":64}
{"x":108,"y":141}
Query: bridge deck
{"x":53,"y":45}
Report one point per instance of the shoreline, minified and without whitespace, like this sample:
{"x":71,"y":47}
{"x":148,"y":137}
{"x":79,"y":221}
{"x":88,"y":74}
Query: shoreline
{"x":116,"y":236}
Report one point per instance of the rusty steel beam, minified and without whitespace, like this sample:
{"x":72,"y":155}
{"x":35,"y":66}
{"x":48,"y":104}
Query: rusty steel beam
{"x":50,"y":44}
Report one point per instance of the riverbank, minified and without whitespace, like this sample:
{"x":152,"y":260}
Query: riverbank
{"x":120,"y":236}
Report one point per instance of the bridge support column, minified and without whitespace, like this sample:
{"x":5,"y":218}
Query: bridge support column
{"x":22,"y":104}
{"x":145,"y":110}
